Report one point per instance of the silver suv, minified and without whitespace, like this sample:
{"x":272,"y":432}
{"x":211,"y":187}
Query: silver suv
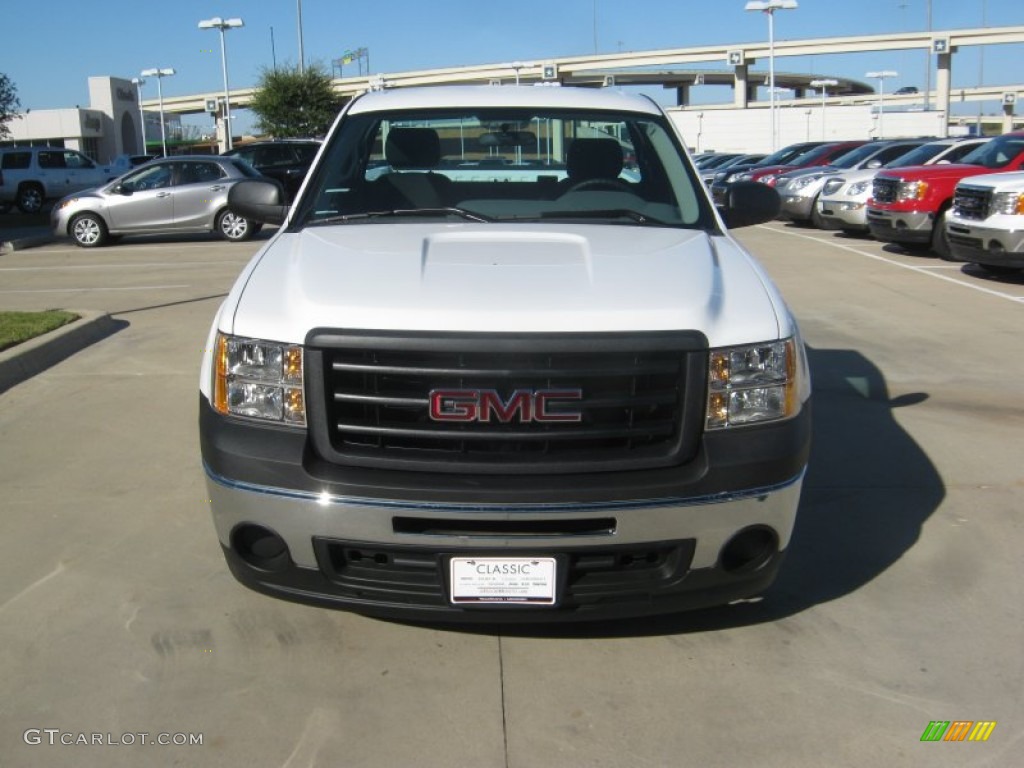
{"x":29,"y":176}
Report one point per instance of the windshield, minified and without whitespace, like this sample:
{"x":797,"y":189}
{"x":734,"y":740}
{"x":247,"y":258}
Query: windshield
{"x":856,"y":156}
{"x":998,"y":153}
{"x":786,"y":154}
{"x":507,"y":165}
{"x":811,"y":156}
{"x":917,"y":156}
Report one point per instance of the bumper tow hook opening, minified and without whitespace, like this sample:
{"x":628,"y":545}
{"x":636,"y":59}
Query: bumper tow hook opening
{"x":260,"y":547}
{"x":748,"y":550}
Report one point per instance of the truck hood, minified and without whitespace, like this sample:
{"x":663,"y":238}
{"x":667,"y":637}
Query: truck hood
{"x":935,"y":172}
{"x":504,"y":278}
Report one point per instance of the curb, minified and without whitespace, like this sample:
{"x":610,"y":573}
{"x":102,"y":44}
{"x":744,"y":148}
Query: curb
{"x":9,"y":246}
{"x":25,"y":360}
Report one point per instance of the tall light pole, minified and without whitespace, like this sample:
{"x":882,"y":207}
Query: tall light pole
{"x":770,"y":7}
{"x":881,"y":77}
{"x":824,"y":83}
{"x":302,"y":51}
{"x":222,"y":24}
{"x":138,"y":82}
{"x":160,"y":74}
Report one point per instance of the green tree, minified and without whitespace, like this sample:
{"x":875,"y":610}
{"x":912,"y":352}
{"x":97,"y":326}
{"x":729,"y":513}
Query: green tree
{"x":9,"y":104}
{"x":289,"y":103}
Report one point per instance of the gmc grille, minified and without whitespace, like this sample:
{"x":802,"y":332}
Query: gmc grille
{"x":972,"y":202}
{"x":642,"y":400}
{"x":885,"y":190}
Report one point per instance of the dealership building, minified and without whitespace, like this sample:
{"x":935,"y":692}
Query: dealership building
{"x":109,"y":127}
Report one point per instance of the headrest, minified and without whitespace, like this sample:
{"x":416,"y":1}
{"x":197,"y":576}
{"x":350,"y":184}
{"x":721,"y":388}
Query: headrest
{"x":594,"y":159}
{"x":412,"y":148}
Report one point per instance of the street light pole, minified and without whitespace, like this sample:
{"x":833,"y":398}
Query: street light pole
{"x":138,"y":82}
{"x":302,"y":51}
{"x":160,"y":74}
{"x":881,"y":76}
{"x":770,"y":7}
{"x":824,"y":83}
{"x":222,"y":24}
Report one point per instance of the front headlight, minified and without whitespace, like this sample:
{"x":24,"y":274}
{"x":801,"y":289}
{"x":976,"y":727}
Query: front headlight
{"x":1008,"y":203}
{"x":802,"y":181}
{"x":912,"y":190}
{"x":259,"y":380}
{"x":753,"y":384}
{"x":859,"y":188}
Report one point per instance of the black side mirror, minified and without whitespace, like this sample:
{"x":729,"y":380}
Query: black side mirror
{"x":259,"y":200}
{"x":748,"y":203}
{"x":122,"y":189}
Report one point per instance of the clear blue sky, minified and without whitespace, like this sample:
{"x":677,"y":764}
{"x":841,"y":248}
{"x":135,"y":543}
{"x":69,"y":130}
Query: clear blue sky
{"x":50,"y":49}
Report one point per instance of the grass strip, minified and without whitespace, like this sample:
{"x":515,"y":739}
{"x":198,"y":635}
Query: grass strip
{"x":16,"y":327}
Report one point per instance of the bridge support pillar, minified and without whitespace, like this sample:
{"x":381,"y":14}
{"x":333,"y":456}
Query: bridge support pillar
{"x":943,"y":80}
{"x":682,"y":95}
{"x":741,"y":91}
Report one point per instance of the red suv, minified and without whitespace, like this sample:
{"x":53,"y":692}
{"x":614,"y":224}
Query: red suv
{"x":908,"y":205}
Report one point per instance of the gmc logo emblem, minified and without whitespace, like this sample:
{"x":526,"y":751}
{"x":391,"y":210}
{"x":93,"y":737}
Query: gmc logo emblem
{"x":523,"y":405}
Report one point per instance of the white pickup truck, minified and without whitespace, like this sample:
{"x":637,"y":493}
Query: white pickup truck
{"x":503,"y":361}
{"x":986,"y":223}
{"x":29,"y":176}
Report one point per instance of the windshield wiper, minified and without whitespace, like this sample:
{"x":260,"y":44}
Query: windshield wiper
{"x":609,"y":213}
{"x":447,"y":211}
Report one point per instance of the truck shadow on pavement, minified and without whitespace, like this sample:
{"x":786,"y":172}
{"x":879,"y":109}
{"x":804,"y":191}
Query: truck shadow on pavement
{"x":868,"y":491}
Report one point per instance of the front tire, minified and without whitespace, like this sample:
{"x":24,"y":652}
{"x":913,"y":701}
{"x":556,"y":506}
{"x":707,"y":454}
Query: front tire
{"x":88,"y":230}
{"x":940,"y":238}
{"x":30,"y":198}
{"x":233,"y":227}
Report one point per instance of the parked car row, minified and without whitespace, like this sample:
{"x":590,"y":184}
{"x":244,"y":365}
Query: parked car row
{"x":962,"y":199}
{"x":145,"y":194}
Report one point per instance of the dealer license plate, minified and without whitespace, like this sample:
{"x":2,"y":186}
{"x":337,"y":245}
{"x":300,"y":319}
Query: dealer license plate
{"x":512,"y":580}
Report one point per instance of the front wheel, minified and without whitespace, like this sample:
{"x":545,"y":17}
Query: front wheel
{"x":940,"y":238}
{"x":234,"y":227}
{"x":88,"y":230}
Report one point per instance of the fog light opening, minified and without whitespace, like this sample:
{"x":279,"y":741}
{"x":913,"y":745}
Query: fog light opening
{"x":995,"y":246}
{"x":748,"y":550}
{"x":260,"y":547}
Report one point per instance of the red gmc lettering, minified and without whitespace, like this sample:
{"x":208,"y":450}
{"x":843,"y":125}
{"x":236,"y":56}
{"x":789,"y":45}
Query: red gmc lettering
{"x":523,"y":405}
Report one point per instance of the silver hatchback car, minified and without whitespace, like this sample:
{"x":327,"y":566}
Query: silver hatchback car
{"x":183,"y":194}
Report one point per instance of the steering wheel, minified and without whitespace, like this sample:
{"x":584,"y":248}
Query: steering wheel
{"x":612,"y":185}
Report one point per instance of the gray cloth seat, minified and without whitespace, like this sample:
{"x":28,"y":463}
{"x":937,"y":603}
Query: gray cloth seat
{"x":592,"y":159}
{"x":412,"y":153}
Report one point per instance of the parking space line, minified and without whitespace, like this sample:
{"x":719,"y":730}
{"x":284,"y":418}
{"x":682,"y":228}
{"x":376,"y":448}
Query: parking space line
{"x":95,"y":290}
{"x":929,"y":271}
{"x":162,"y":264}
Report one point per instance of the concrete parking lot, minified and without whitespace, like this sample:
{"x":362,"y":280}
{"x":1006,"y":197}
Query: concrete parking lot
{"x":901,"y":601}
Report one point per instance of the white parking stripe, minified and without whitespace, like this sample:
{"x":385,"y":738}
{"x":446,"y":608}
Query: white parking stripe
{"x":97,"y":290}
{"x":929,"y":271}
{"x":159,"y":264}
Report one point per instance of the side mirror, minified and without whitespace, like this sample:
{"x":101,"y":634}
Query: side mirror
{"x":874,"y":164}
{"x":259,"y":200}
{"x":122,"y":189}
{"x":748,"y":203}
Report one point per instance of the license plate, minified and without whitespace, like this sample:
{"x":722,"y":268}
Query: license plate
{"x":511,"y":580}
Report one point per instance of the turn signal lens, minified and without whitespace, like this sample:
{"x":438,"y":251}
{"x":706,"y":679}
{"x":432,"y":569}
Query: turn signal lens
{"x":752,"y":384}
{"x":259,"y":380}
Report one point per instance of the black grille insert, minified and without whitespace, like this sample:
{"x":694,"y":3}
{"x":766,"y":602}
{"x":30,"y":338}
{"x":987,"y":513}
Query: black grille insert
{"x":885,"y":190}
{"x":641,"y":400}
{"x":414,"y":576}
{"x":972,"y":202}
